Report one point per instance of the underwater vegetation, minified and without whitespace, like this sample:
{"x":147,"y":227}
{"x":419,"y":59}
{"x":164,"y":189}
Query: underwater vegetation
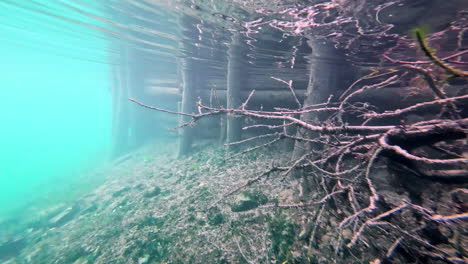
{"x":430,"y":53}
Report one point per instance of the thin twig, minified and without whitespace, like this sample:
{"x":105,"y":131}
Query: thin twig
{"x":289,"y":84}
{"x":373,"y":198}
{"x":415,"y":107}
{"x":425,"y":62}
{"x":251,"y":138}
{"x":241,"y":252}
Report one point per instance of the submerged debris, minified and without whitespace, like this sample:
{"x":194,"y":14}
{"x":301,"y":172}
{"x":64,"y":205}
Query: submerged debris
{"x":183,"y":225}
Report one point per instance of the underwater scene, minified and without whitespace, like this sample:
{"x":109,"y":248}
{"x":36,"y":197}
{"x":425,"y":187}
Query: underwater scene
{"x":234,"y":131}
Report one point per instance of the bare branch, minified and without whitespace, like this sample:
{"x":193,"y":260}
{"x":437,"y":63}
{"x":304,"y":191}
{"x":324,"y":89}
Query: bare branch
{"x":390,"y":80}
{"x":415,"y":107}
{"x":450,"y":218}
{"x":372,"y":75}
{"x":374,"y":221}
{"x":428,"y":61}
{"x":244,"y":105}
{"x":250,"y":139}
{"x":383,"y":141}
{"x":268,"y":126}
{"x":260,"y":146}
{"x":242,"y":253}
{"x":160,"y":109}
{"x":437,"y":91}
{"x":372,"y":198}
{"x":289,"y":84}
{"x":430,"y":53}
{"x":394,"y":246}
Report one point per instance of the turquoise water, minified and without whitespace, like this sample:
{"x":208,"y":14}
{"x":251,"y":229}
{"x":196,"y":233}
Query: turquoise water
{"x":55,"y":111}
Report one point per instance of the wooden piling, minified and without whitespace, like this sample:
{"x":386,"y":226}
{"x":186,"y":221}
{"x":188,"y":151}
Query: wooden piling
{"x":234,"y":83}
{"x":187,"y":105}
{"x":329,"y":73}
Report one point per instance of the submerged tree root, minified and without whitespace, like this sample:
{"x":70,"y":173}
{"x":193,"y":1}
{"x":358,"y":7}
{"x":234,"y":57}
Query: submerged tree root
{"x":395,"y":213}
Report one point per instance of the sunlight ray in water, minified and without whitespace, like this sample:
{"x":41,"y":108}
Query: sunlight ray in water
{"x":233,"y":131}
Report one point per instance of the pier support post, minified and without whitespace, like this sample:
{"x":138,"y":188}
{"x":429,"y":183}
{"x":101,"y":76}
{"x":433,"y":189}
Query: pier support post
{"x":235,"y":79}
{"x":329,"y":73}
{"x":187,"y":105}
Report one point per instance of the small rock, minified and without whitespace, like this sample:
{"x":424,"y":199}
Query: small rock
{"x":244,"y":205}
{"x":140,"y":186}
{"x":120,"y":192}
{"x":325,"y":240}
{"x":92,"y":208}
{"x":215,"y":217}
{"x":286,"y":196}
{"x":144,"y":259}
{"x":156,"y":191}
{"x":65,"y":216}
{"x":81,"y":261}
{"x":347,"y":234}
{"x":392,"y":198}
